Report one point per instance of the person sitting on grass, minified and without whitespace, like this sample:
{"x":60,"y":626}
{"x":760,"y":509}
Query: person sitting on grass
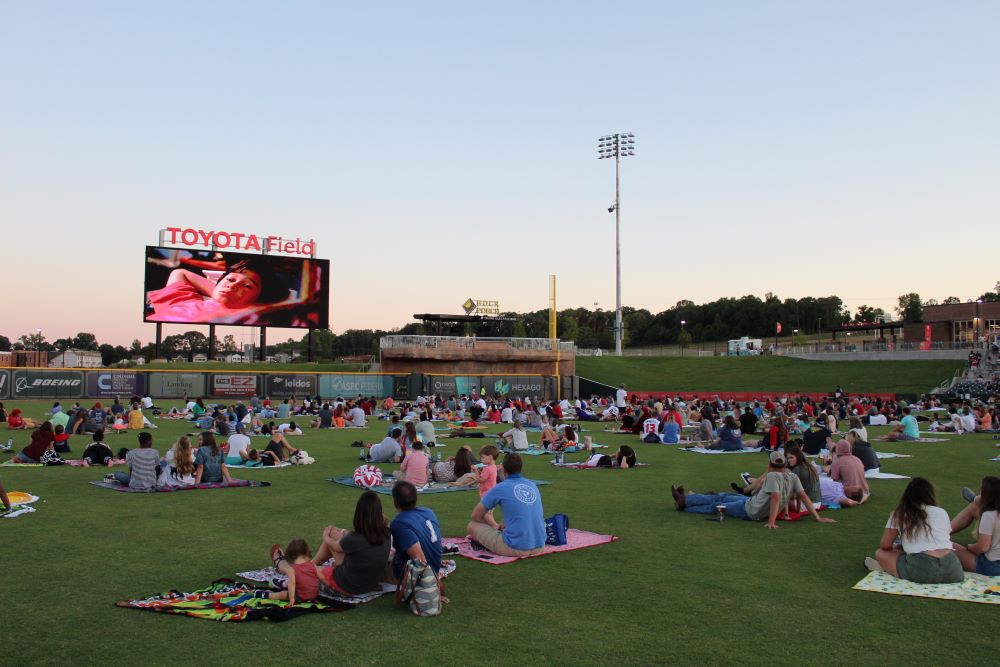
{"x":849,"y":471}
{"x":61,"y":441}
{"x":416,"y":533}
{"x":706,"y":426}
{"x":414,"y":467}
{"x":983,"y":555}
{"x":671,"y":434}
{"x":908,"y":429}
{"x":359,"y":555}
{"x":863,"y":450}
{"x":797,"y":463}
{"x":730,"y":438}
{"x":279,"y":447}
{"x":178,"y":469}
{"x":17,"y":421}
{"x":768,"y":502}
{"x":925,"y":554}
{"x":42,"y":440}
{"x":515,"y":438}
{"x":522,"y":532}
{"x":817,"y":437}
{"x":455,"y":468}
{"x":143,"y":464}
{"x":97,"y":452}
{"x":304,"y":575}
{"x":209,"y":466}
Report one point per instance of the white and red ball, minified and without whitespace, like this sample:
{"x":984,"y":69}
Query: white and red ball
{"x":367,"y":476}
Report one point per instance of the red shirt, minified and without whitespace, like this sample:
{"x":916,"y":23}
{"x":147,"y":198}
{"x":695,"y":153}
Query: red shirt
{"x":40,"y":441}
{"x":306,"y":581}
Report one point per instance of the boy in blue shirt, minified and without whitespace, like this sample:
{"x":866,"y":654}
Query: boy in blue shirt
{"x":522,"y":532}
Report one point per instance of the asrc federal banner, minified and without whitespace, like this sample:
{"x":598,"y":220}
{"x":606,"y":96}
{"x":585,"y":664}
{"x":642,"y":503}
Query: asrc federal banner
{"x":104,"y":384}
{"x":348,"y":385}
{"x":232,"y":384}
{"x":47,"y":384}
{"x":176,"y":385}
{"x":287,"y":386}
{"x":4,"y":384}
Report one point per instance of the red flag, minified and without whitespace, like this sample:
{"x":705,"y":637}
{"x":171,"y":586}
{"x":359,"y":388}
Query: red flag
{"x":777,"y":329}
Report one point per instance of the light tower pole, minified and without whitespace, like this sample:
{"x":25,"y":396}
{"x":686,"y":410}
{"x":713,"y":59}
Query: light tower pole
{"x":619,"y":145}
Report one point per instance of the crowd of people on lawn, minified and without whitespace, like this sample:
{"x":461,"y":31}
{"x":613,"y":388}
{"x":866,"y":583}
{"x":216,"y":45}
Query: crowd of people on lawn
{"x":916,"y":544}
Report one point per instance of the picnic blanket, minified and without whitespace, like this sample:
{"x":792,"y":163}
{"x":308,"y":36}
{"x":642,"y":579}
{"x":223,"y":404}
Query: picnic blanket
{"x":431,"y":487}
{"x":20,"y":503}
{"x":78,"y":463}
{"x":995,"y":458}
{"x":579,"y":465}
{"x":975,"y":588}
{"x":279,"y":581}
{"x":530,"y":451}
{"x":877,"y":474}
{"x":917,"y":440}
{"x":236,"y":483}
{"x":575,"y":539}
{"x":893,"y":455}
{"x":702,"y":450}
{"x":939,"y":433}
{"x":228,"y":601}
{"x":15,"y":463}
{"x":283,"y":464}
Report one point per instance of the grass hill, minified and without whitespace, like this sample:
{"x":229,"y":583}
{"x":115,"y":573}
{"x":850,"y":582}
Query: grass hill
{"x":765,"y":374}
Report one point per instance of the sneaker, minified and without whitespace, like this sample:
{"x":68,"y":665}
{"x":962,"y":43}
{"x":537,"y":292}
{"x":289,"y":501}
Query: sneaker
{"x":110,"y":478}
{"x":968,"y":494}
{"x":477,"y":546}
{"x":872,"y":564}
{"x":745,"y":476}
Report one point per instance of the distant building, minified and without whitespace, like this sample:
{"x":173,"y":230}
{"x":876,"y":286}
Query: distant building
{"x":234,"y":358}
{"x":199,"y":358}
{"x":178,"y":359}
{"x":76,"y":359}
{"x":956,"y":323}
{"x":139,"y":361}
{"x":282,"y":358}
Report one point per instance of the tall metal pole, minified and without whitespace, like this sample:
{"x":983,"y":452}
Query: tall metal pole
{"x":618,"y":255}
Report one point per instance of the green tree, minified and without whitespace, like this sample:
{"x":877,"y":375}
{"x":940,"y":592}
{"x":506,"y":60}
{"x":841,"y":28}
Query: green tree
{"x":4,"y":344}
{"x":520,"y":331}
{"x":951,"y":300}
{"x":85,"y":341}
{"x":684,"y":338}
{"x":910,"y":308}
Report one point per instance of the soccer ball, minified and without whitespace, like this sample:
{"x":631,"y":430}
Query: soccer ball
{"x":367,"y":476}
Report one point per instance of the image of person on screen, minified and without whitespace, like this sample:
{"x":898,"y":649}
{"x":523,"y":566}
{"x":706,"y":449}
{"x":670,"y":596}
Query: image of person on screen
{"x":243,"y":289}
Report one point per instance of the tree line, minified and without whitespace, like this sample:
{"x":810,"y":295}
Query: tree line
{"x":685,"y":323}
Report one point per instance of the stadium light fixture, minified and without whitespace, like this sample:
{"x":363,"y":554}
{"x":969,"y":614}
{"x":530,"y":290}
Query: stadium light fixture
{"x":617,"y":146}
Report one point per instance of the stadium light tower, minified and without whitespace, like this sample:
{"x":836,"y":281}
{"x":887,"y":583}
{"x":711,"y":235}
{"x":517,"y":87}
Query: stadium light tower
{"x":617,"y":146}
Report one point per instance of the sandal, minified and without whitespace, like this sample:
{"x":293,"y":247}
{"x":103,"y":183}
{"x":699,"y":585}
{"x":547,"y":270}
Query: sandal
{"x":277,"y":555}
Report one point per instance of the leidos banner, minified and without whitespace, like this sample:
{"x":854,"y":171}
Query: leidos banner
{"x":287,"y":386}
{"x":4,"y":384}
{"x":331,"y":386}
{"x":176,"y":385}
{"x":106,"y":385}
{"x":233,"y":385}
{"x":47,"y":384}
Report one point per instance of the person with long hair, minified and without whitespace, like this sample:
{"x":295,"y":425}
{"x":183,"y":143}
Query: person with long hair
{"x":983,"y":555}
{"x":179,"y":468}
{"x":359,"y":555}
{"x":210,"y":468}
{"x":924,"y":553}
{"x":730,"y":438}
{"x":42,"y":439}
{"x":455,"y":468}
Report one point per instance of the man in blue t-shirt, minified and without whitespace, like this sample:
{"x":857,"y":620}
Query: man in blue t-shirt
{"x":522,"y":532}
{"x":416,"y":533}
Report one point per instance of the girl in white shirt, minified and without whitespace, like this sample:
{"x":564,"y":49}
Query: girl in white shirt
{"x":924,"y":554}
{"x":983,"y":555}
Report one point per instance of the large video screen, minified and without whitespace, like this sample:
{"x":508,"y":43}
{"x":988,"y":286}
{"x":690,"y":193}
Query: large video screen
{"x":210,"y":287}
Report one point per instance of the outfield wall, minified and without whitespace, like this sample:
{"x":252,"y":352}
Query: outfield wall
{"x":71,"y":383}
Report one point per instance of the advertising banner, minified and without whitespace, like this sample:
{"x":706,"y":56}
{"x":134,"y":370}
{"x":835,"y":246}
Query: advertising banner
{"x":4,"y":384}
{"x":287,"y":386}
{"x":104,"y":384}
{"x":449,"y":385}
{"x":231,"y":384}
{"x":515,"y":386}
{"x":47,"y":384}
{"x":176,"y":385}
{"x":347,"y":386}
{"x":401,"y":387}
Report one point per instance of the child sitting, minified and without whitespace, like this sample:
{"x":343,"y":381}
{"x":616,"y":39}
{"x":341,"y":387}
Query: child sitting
{"x":61,"y":443}
{"x":304,"y":576}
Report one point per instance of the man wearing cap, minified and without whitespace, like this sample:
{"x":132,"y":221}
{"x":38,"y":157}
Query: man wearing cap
{"x":770,"y":500}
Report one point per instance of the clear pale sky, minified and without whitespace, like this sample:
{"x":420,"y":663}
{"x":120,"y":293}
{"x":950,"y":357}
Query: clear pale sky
{"x":437,"y":151}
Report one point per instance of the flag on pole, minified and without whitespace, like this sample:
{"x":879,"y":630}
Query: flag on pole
{"x":777,"y":328}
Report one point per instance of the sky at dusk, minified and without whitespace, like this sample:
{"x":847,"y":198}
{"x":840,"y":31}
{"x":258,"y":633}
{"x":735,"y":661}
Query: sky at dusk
{"x":441,"y":150}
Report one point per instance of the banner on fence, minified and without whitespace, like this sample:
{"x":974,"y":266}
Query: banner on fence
{"x":229,"y":384}
{"x":176,"y":385}
{"x":105,"y":384}
{"x":47,"y":384}
{"x":287,"y":386}
{"x":350,"y":385}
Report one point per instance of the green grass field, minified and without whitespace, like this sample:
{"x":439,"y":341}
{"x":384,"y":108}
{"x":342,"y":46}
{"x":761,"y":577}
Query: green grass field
{"x":676,"y":588}
{"x":765,"y":374}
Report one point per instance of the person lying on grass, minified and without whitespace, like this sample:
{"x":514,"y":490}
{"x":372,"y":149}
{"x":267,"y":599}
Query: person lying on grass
{"x":623,"y":458}
{"x":924,"y":553}
{"x":770,"y":500}
{"x":983,"y":555}
{"x":17,"y":421}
